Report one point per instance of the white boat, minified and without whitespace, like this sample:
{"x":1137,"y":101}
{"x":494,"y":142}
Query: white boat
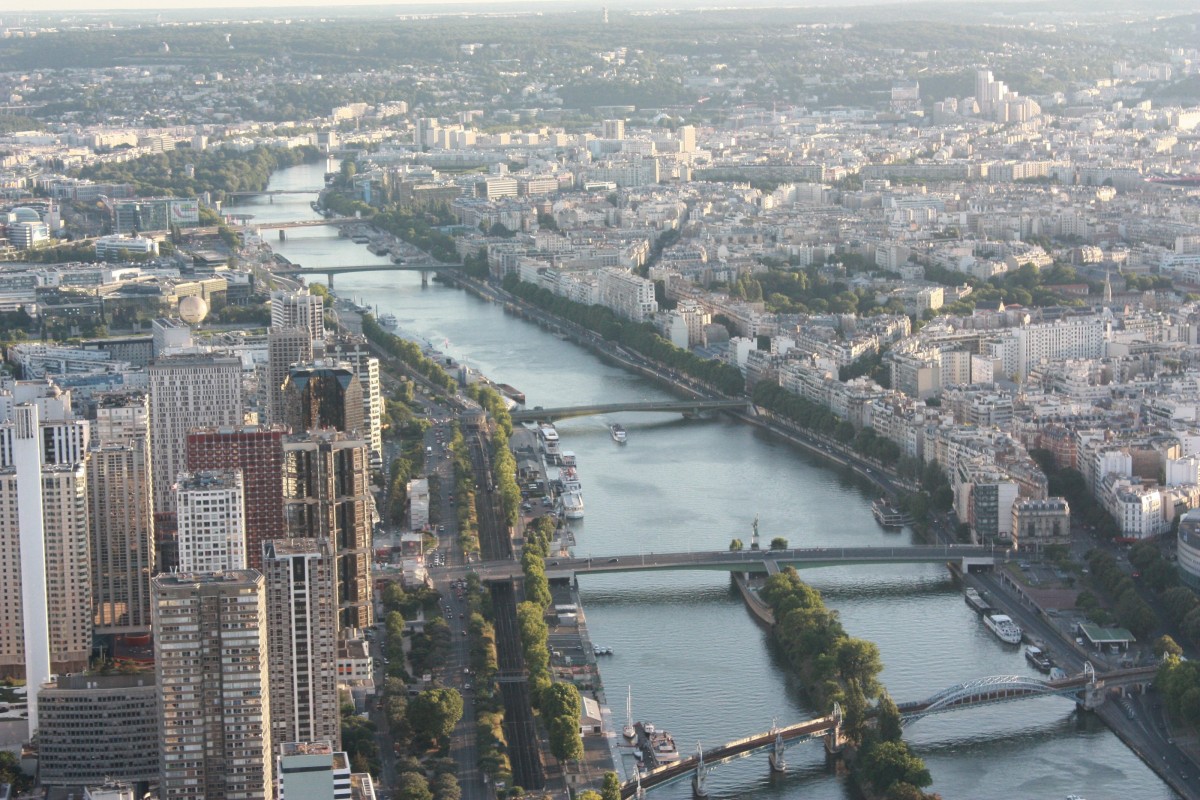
{"x":618,"y":433}
{"x":389,"y":321}
{"x":550,"y":440}
{"x":572,"y":505}
{"x":629,"y":732}
{"x":568,"y":458}
{"x":570,"y":480}
{"x":1005,"y":629}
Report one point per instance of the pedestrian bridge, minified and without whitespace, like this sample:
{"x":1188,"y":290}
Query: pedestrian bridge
{"x":1087,"y":689}
{"x":687,"y":407}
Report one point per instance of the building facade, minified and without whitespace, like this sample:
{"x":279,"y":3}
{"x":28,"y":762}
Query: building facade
{"x":327,"y":496}
{"x":211,"y":521}
{"x":187,"y":392}
{"x":324,"y":395}
{"x":302,"y":637}
{"x":210,"y":659}
{"x":258,"y":453}
{"x":98,"y":727}
{"x":1037,"y":523}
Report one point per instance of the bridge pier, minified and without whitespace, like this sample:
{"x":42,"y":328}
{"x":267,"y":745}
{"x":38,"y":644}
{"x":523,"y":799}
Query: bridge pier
{"x":329,"y":277}
{"x":282,"y":234}
{"x":699,"y":790}
{"x":835,"y":740}
{"x":424,"y":278}
{"x":775,"y":757}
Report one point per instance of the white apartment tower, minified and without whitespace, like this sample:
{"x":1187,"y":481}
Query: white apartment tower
{"x":46,"y":620}
{"x":210,"y":514}
{"x":302,"y":640}
{"x":210,"y":658}
{"x":298,"y":310}
{"x":628,"y":295}
{"x":188,"y":392}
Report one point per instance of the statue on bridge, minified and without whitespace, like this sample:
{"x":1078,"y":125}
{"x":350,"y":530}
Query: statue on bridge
{"x":754,"y":536}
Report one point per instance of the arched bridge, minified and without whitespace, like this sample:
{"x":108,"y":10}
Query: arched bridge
{"x":1087,"y":688}
{"x":681,"y":406}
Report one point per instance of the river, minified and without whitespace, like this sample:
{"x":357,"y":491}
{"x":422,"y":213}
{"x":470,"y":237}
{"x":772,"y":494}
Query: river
{"x":697,"y":663}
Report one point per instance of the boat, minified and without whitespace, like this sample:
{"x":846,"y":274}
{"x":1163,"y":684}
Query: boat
{"x":1038,"y":658}
{"x":888,"y":515}
{"x":568,"y":458}
{"x":572,"y":505}
{"x":618,"y":433}
{"x":550,"y":440}
{"x":569,"y":479}
{"x":658,"y":746}
{"x":629,"y":732}
{"x":389,"y":321}
{"x":976,"y":601}
{"x":1005,"y":629}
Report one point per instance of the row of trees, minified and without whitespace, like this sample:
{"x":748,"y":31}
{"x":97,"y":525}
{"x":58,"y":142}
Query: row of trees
{"x":641,"y":338}
{"x":1179,"y":683}
{"x":818,"y":419}
{"x":409,"y":353}
{"x":464,"y":489}
{"x":836,"y":667}
{"x":1129,"y":609}
{"x":504,"y":465}
{"x":489,"y":706}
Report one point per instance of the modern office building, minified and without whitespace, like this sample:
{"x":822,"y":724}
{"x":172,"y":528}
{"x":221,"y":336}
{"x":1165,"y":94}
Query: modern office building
{"x":98,"y":727}
{"x":210,"y":521}
{"x":258,"y":452}
{"x":285,"y":348}
{"x":187,"y":392}
{"x":313,"y":771}
{"x":302,"y":639}
{"x":210,"y":659}
{"x":354,"y":351}
{"x":298,"y":310}
{"x":327,"y":496}
{"x":323,"y":395}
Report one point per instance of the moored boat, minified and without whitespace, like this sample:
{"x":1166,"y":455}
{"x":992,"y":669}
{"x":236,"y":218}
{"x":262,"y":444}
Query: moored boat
{"x":1005,"y":629}
{"x":888,"y":515}
{"x":1038,"y":658}
{"x":976,"y":601}
{"x":618,"y":433}
{"x":389,"y":321}
{"x":572,"y":505}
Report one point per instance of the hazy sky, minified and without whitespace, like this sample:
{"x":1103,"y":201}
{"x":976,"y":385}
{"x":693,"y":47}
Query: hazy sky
{"x":9,"y":8}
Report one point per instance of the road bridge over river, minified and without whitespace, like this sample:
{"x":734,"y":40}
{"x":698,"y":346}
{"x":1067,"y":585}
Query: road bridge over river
{"x":689,"y":407}
{"x":758,"y":561}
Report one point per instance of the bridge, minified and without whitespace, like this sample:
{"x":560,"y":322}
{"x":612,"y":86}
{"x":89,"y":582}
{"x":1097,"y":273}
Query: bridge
{"x":272,"y":192}
{"x":757,"y":561}
{"x":294,"y":271}
{"x":687,"y":407}
{"x":1087,"y":689}
{"x":303,"y":223}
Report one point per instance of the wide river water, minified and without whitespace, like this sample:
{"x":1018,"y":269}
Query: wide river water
{"x":697,"y":663}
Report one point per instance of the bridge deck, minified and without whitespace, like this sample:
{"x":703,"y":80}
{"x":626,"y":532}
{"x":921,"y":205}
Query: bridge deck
{"x":530,"y":415}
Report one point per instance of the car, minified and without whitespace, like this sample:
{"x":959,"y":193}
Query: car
{"x":460,"y":615}
{"x":613,"y":560}
{"x":464,"y":631}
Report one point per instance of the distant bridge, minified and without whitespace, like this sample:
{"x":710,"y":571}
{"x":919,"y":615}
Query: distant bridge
{"x":273,"y":192}
{"x":303,"y":223}
{"x":296,"y":271}
{"x":1087,"y":689}
{"x":682,"y":406}
{"x":749,"y":560}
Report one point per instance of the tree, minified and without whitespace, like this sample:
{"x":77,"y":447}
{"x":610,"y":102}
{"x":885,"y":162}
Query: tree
{"x":434,"y":713}
{"x":611,"y":788}
{"x":565,"y":742}
{"x":890,"y":762}
{"x":412,"y":786}
{"x":445,"y":787}
{"x":779,"y":543}
{"x":736,"y":545}
{"x":888,"y":716}
{"x":1166,"y":646}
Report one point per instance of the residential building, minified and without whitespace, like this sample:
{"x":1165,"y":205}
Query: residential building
{"x":302,"y":639}
{"x":286,"y":347}
{"x":257,"y":452}
{"x":1188,"y":548}
{"x":1038,"y":523}
{"x":210,"y":659}
{"x":210,"y":521}
{"x":628,"y":295}
{"x":298,"y":310}
{"x":187,"y":392}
